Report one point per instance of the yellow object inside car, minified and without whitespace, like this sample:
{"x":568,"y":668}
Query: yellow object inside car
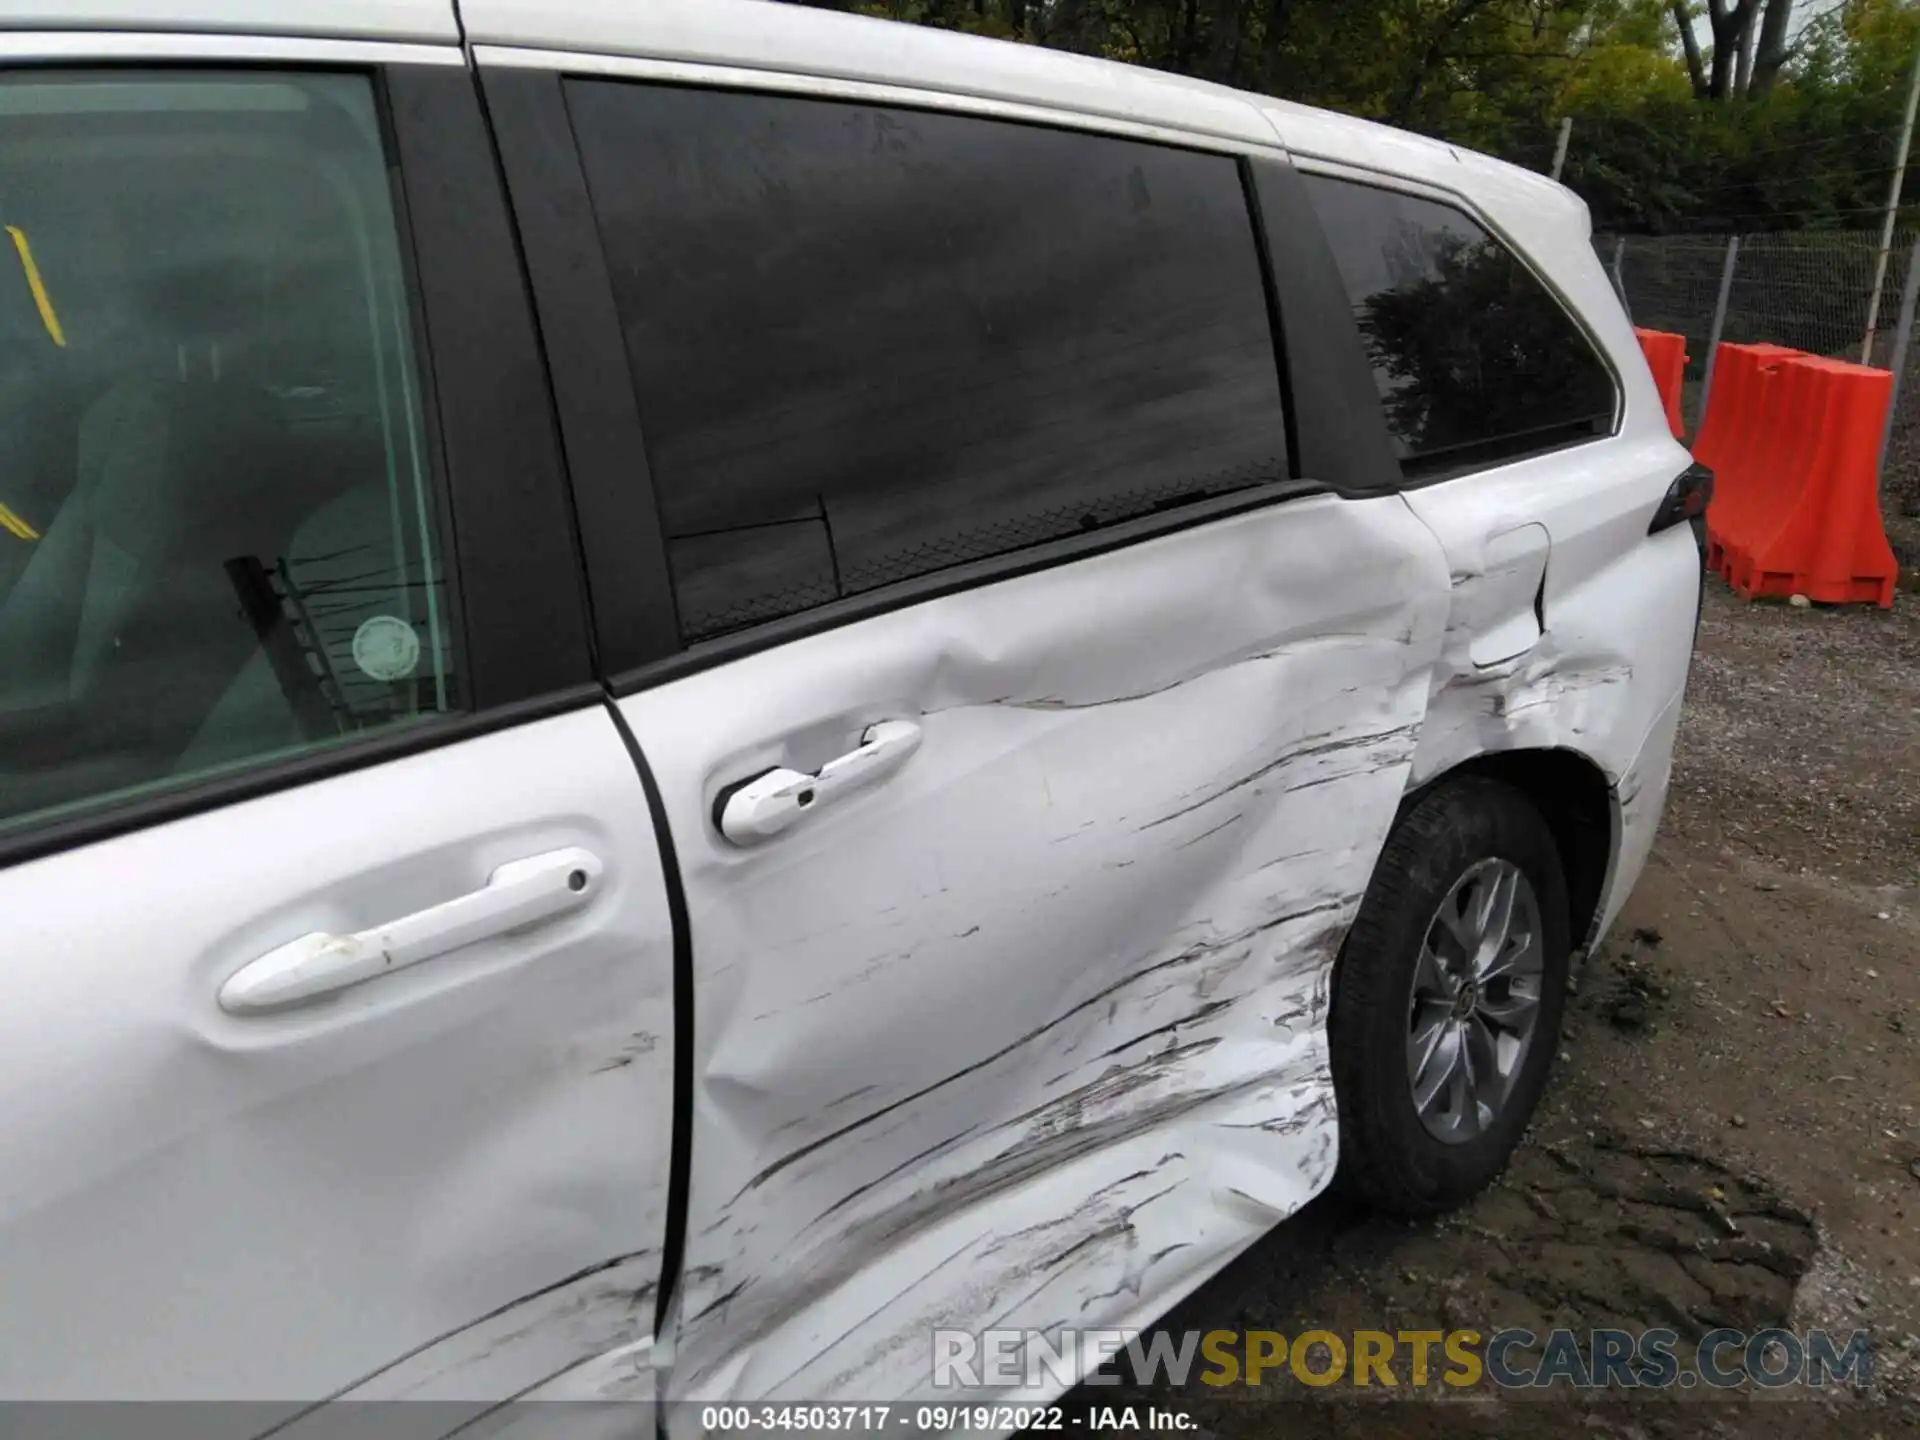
{"x":15,"y":526}
{"x":42,"y":302}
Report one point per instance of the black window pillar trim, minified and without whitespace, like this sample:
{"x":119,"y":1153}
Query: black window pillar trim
{"x":1276,"y":319}
{"x":621,"y":537}
{"x":526,"y":619}
{"x":1335,"y":415}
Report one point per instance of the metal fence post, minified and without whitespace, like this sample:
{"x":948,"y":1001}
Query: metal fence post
{"x":1901,"y":337}
{"x":1619,"y":280}
{"x":1719,"y":324}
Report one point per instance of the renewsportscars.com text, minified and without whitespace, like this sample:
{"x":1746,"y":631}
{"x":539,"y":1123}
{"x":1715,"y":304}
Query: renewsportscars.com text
{"x":1510,"y":1358}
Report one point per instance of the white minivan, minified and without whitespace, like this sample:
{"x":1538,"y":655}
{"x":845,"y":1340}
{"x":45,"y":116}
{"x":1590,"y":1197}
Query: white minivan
{"x":689,"y":689}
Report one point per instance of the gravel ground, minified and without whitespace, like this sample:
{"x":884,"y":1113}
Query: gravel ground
{"x":1732,"y":1136}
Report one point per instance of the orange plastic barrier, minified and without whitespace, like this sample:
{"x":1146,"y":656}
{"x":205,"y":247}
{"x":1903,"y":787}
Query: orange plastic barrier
{"x":1667,"y":358}
{"x":1733,"y":436}
{"x":1731,"y":412}
{"x":1795,"y":441}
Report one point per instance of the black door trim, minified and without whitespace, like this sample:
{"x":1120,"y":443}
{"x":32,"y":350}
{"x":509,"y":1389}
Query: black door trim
{"x":525,"y":610}
{"x":673,"y":1243}
{"x":1340,"y":425}
{"x":620,"y":533}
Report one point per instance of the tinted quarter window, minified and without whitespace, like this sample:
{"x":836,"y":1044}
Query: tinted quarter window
{"x":873,"y":343}
{"x":1475,"y":360}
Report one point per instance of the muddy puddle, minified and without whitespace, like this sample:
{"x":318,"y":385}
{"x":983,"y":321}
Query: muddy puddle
{"x":1611,"y":1232}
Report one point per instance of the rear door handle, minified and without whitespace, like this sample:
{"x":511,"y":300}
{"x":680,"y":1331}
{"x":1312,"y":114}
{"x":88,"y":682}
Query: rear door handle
{"x":516,"y":895}
{"x":769,"y":803}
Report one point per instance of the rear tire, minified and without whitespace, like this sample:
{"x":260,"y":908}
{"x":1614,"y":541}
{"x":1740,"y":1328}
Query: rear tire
{"x":1442,"y":1034}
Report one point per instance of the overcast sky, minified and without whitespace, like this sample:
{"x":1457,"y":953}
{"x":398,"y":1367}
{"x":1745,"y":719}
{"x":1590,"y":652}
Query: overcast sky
{"x":1804,"y":12}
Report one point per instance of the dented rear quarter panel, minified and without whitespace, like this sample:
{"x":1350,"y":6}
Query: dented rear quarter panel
{"x":1034,"y":1032}
{"x":1616,"y":605}
{"x":1607,"y":666}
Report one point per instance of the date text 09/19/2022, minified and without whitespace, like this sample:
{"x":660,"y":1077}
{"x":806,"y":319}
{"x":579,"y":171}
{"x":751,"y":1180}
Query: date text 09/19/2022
{"x":938,"y":1419}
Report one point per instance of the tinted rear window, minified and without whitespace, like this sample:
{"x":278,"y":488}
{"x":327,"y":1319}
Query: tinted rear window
{"x":1475,"y":360}
{"x":870,"y":344}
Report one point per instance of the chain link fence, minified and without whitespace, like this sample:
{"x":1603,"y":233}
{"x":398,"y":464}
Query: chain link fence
{"x":1806,"y":289}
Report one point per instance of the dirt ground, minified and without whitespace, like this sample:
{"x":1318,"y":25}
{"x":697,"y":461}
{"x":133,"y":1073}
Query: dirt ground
{"x":1733,"y":1132}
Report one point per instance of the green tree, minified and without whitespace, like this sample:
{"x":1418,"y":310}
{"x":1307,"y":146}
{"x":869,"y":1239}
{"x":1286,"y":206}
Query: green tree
{"x":1688,"y":114}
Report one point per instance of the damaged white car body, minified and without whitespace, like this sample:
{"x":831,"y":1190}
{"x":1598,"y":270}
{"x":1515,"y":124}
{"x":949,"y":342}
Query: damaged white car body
{"x":858,"y":802}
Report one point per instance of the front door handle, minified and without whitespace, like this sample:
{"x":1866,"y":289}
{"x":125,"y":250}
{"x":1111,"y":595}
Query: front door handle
{"x":769,"y":803}
{"x":516,"y":895}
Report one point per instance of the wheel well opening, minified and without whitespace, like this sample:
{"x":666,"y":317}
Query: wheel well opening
{"x":1573,"y":796}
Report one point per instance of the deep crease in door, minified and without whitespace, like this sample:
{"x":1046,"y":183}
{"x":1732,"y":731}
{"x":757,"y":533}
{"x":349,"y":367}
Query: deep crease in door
{"x":1033,"y":1033}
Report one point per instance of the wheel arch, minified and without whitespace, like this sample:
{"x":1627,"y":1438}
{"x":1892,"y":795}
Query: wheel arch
{"x":1580,"y":806}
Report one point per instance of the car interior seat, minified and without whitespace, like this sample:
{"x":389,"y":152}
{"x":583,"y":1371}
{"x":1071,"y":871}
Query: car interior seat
{"x":125,"y":630}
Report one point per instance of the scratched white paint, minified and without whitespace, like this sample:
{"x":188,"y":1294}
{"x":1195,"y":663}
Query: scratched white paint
{"x":279,"y":1207}
{"x":1033,"y":1031}
{"x":577,"y":1337}
{"x":1605,"y":670}
{"x":1603,"y":675}
{"x":1498,"y":614}
{"x":1618,"y":603}
{"x":1030,"y":1034}
{"x":1604,"y":681}
{"x":1642,"y":793}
